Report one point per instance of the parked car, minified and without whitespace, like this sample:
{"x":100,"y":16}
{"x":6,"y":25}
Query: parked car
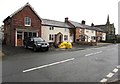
{"x":36,"y":43}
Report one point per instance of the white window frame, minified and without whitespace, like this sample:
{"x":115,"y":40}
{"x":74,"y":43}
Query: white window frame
{"x":51,"y":28}
{"x":65,"y":37}
{"x":51,"y":37}
{"x":93,"y":37}
{"x":92,"y":31}
{"x":87,"y":31}
{"x":27,"y":21}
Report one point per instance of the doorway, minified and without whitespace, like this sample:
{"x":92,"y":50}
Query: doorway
{"x":19,"y":39}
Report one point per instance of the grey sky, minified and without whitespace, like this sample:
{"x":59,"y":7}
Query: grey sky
{"x":95,"y":11}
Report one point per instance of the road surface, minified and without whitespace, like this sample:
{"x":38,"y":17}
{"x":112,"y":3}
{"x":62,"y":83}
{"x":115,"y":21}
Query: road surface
{"x":89,"y":65}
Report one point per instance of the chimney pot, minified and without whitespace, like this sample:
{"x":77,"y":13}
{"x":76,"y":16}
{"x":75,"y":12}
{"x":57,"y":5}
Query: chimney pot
{"x":83,"y":21}
{"x":66,"y":19}
{"x":92,"y":24}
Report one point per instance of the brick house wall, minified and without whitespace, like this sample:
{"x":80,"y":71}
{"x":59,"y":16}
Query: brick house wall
{"x":79,"y":31}
{"x":72,"y":30}
{"x":11,"y":24}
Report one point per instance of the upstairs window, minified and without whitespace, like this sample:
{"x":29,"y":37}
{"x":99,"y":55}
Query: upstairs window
{"x":92,"y":31}
{"x":87,"y":31}
{"x":51,"y":28}
{"x":27,"y":21}
{"x":66,"y":29}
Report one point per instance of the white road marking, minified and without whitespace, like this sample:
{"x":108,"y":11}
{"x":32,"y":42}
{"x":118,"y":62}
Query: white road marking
{"x":98,"y":52}
{"x":104,"y":80}
{"x":115,"y":70}
{"x":93,"y":53}
{"x":110,"y":75}
{"x":27,"y":70}
{"x":118,"y":66}
{"x":89,"y":54}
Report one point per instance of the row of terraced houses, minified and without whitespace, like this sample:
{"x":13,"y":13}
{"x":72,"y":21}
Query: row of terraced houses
{"x":25,"y":22}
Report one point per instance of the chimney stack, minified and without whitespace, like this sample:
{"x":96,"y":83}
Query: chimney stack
{"x":92,"y":24}
{"x":66,"y":19}
{"x":83,"y":21}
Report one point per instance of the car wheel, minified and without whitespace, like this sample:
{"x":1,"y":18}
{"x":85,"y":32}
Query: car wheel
{"x":34,"y":49}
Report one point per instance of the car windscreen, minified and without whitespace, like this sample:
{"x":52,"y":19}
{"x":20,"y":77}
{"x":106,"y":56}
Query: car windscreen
{"x":38,"y":40}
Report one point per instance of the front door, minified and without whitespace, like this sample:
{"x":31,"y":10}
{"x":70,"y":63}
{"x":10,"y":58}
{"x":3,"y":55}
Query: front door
{"x":19,"y":38}
{"x":60,"y":39}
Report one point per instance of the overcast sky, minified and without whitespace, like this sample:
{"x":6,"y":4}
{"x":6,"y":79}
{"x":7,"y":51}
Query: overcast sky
{"x":95,"y":11}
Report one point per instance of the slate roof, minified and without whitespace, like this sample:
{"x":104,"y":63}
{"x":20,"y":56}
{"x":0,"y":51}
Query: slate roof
{"x":49,"y":22}
{"x":76,"y":24}
{"x":27,"y":4}
{"x":103,"y":27}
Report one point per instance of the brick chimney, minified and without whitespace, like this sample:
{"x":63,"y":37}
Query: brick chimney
{"x":83,"y":21}
{"x":92,"y":24}
{"x":66,"y":19}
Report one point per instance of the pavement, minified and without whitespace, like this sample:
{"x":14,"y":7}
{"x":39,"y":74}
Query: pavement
{"x":6,"y":50}
{"x":82,"y":47}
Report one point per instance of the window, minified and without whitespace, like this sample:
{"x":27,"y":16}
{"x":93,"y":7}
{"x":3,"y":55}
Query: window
{"x":51,"y":28}
{"x":27,"y":21}
{"x":87,"y":31}
{"x":92,"y":31}
{"x":65,"y":37}
{"x":82,"y":37}
{"x":34,"y":35}
{"x":51,"y":37}
{"x":93,"y":37}
{"x":66,"y":29}
{"x":80,"y":30}
{"x":29,"y":34}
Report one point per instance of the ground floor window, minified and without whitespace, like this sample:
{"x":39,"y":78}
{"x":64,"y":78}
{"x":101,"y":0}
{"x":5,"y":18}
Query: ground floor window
{"x":93,"y":37}
{"x":21,"y":35}
{"x":34,"y":34}
{"x":82,"y":37}
{"x":29,"y":34}
{"x":65,"y":37}
{"x":51,"y":37}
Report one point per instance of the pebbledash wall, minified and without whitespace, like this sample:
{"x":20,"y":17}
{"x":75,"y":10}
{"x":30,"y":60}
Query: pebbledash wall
{"x":91,"y":35}
{"x":46,"y":32}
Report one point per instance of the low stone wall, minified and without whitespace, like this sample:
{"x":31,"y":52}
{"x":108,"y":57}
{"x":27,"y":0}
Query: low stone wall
{"x":87,"y":43}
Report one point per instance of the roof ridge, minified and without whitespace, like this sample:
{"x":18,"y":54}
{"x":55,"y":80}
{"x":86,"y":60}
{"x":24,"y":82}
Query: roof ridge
{"x":19,"y":9}
{"x":52,"y":20}
{"x":27,"y":4}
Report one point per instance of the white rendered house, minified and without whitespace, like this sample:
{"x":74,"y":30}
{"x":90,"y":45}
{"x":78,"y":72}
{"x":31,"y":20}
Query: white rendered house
{"x":55,"y":31}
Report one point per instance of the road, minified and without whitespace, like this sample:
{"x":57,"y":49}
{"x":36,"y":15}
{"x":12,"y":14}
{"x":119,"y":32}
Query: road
{"x":89,"y":65}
